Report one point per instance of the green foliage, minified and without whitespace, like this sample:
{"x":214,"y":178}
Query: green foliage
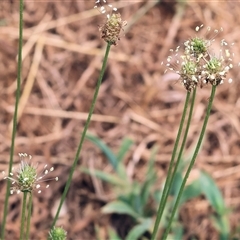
{"x":114,"y":160}
{"x":212,"y":193}
{"x":135,"y":198}
{"x":191,"y":191}
{"x":112,"y":234}
{"x":120,"y":207}
{"x":140,"y":229}
{"x":215,"y":198}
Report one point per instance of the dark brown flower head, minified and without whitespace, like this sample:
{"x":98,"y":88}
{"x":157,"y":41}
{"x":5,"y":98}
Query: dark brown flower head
{"x":111,"y":29}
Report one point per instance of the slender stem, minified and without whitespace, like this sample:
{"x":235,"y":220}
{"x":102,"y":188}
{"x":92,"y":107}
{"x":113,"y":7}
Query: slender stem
{"x":23,"y":215}
{"x":83,"y":134}
{"x":166,"y":186}
{"x":29,"y":215}
{"x":192,"y":161}
{"x":182,"y":146}
{"x":14,"y":130}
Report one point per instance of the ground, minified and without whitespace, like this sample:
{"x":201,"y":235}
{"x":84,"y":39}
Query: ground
{"x":62,"y":57}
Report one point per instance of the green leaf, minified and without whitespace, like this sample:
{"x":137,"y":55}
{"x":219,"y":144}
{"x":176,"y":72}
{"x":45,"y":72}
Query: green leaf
{"x":106,"y":150}
{"x":191,"y":191}
{"x":177,"y":232}
{"x":117,"y":166}
{"x":125,"y":146}
{"x":221,"y":223}
{"x":177,"y":181}
{"x":139,"y":229}
{"x":107,"y":177}
{"x":112,"y":234}
{"x":150,"y":178}
{"x":120,"y":208}
{"x":212,"y":193}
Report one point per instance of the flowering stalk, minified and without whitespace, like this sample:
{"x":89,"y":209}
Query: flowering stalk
{"x":170,"y":175}
{"x":83,"y":135}
{"x":197,"y":66}
{"x":23,"y":215}
{"x":14,"y":130}
{"x":183,"y":141}
{"x":29,"y":215}
{"x":110,"y":33}
{"x":192,"y":161}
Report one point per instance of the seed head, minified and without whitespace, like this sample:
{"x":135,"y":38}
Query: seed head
{"x":111,"y":29}
{"x":26,"y":178}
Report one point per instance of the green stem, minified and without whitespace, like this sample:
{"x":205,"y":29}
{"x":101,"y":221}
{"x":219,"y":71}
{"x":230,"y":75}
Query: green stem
{"x":83,"y":134}
{"x":166,"y":186}
{"x":14,"y":130}
{"x":192,"y":161}
{"x":182,"y":146}
{"x":29,"y":215}
{"x":23,"y":215}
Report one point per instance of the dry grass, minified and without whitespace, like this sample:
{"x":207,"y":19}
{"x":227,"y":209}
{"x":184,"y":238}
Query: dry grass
{"x":62,"y":56}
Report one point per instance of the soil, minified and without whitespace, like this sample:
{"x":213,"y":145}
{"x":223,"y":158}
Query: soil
{"x":62,"y":57}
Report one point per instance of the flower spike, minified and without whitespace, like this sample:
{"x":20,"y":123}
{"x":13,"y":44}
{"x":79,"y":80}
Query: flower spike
{"x":57,"y":233}
{"x":26,"y":178}
{"x":110,"y":31}
{"x":199,"y":65}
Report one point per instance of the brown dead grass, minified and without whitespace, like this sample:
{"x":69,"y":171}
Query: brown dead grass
{"x":62,"y":57}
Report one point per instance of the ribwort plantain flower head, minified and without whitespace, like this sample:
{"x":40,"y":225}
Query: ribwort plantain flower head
{"x":199,"y":64}
{"x":26,"y":177}
{"x":196,"y":47}
{"x":111,"y":29}
{"x":217,"y":67}
{"x":188,"y":74}
{"x":57,"y":233}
